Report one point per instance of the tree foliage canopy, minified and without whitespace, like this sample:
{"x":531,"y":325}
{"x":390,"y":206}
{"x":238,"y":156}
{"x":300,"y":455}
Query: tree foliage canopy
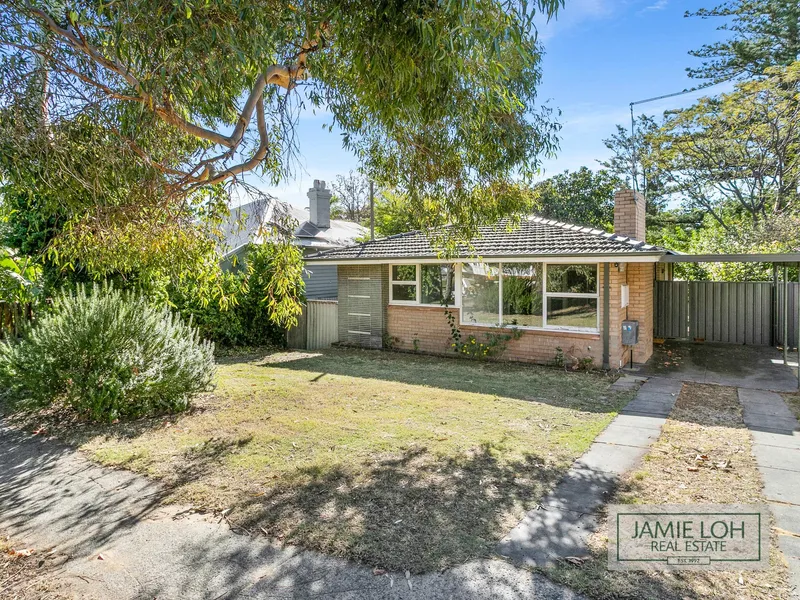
{"x":435,"y":98}
{"x":582,"y":197}
{"x":741,"y":148}
{"x":764,"y":34}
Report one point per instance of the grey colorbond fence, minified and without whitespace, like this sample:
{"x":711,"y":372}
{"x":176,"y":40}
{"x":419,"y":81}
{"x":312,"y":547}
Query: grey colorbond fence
{"x":317,"y":327}
{"x":749,"y":312}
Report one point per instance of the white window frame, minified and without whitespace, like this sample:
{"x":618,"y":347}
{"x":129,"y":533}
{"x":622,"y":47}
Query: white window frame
{"x":595,"y":295}
{"x":393,"y":282}
{"x":418,"y":283}
{"x":545,"y":295}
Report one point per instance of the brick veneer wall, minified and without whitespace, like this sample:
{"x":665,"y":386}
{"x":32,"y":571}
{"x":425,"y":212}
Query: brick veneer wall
{"x":640,"y":282}
{"x":629,"y":214}
{"x":428,"y":326}
{"x":402,"y":324}
{"x":363,"y":296}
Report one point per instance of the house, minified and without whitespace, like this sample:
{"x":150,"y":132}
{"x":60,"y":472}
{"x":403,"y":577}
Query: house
{"x":250,"y":223}
{"x":559,"y":286}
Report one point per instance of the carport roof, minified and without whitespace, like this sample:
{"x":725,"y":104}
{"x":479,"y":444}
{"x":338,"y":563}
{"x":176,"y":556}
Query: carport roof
{"x":787,"y":257}
{"x":534,"y":237}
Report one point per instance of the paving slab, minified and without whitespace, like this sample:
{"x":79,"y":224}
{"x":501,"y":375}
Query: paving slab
{"x":775,"y":457}
{"x":567,"y":516}
{"x":642,"y":421}
{"x":628,"y":436}
{"x":51,"y":497}
{"x":776,"y":449}
{"x":779,"y":440}
{"x":790,"y":547}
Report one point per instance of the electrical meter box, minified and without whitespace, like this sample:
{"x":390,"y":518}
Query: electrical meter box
{"x":630,"y":333}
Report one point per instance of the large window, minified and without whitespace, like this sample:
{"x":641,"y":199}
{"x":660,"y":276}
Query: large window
{"x":530,"y":295}
{"x":480,"y":293}
{"x":522,"y":295}
{"x":423,"y":284}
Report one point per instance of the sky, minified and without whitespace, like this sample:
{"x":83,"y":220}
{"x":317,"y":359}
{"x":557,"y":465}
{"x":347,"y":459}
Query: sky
{"x":600,"y":55}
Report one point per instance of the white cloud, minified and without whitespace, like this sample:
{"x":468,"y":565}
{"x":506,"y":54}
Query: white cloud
{"x":658,"y":5}
{"x":574,"y":14}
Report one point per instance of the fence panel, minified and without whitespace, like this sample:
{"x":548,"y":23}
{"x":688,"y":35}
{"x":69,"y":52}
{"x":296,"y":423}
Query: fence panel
{"x":671,"y":311}
{"x":731,"y":312}
{"x":317,"y":327}
{"x":794,"y":299}
{"x":322,"y":326}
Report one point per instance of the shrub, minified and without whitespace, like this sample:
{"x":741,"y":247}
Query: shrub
{"x":246,"y":319}
{"x":108,"y":355}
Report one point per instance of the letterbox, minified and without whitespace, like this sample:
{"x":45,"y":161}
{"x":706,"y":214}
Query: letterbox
{"x":630,"y":333}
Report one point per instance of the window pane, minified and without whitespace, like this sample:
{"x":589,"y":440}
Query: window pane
{"x":573,"y":279}
{"x":404,"y":292}
{"x":404,"y":272}
{"x":522,"y":295}
{"x":480,"y":289}
{"x":572,"y":312}
{"x":437,"y":284}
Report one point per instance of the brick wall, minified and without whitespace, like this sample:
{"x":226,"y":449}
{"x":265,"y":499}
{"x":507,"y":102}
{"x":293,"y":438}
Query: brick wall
{"x":640,"y":282}
{"x":363,"y":296}
{"x":428,"y":326}
{"x":629,"y":214}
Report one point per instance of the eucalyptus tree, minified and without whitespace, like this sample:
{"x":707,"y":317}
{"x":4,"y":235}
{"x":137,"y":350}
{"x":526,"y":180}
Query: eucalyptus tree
{"x":173,"y":101}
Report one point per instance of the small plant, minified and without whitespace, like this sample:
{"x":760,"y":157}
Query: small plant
{"x":389,"y":341}
{"x":473,"y":348}
{"x":107,"y":355}
{"x":416,"y":345}
{"x":559,"y":360}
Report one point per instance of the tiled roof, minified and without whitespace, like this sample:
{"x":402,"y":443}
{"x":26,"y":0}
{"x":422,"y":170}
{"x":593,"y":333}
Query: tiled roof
{"x":535,"y":236}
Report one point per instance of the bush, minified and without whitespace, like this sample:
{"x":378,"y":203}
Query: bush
{"x":108,"y":355}
{"x":246,"y":318}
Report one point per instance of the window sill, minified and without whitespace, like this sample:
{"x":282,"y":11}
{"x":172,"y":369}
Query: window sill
{"x":544,"y":330}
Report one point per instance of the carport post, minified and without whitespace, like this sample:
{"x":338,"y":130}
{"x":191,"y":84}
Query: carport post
{"x":785,"y":314}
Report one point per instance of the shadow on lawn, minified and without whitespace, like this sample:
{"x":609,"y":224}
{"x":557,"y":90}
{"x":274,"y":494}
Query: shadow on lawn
{"x":412,"y":511}
{"x":577,"y":390}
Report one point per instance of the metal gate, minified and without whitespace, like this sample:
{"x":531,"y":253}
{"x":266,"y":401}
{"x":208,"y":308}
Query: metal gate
{"x":748,"y":312}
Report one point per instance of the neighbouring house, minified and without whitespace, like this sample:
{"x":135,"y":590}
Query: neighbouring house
{"x":250,"y":223}
{"x":564,"y":289}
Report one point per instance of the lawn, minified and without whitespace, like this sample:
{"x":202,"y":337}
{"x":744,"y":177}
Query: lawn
{"x":396,"y":460}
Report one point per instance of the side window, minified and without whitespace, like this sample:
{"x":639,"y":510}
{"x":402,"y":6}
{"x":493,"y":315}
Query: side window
{"x":572,"y":296}
{"x":404,"y":283}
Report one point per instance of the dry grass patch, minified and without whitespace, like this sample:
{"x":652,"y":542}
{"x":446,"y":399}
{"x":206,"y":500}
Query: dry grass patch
{"x":793,"y":402}
{"x":704,"y":455}
{"x":396,"y":460}
{"x":26,"y":574}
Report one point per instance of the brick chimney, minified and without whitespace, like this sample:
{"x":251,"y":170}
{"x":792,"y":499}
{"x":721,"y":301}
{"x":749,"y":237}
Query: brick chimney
{"x":320,"y":205}
{"x":629,"y":210}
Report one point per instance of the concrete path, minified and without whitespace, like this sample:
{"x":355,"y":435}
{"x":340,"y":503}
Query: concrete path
{"x":776,"y":446}
{"x":51,"y":497}
{"x":562,"y":525}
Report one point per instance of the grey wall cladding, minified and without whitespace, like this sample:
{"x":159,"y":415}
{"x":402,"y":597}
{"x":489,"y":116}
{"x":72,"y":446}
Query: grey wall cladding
{"x":363,"y":296}
{"x":321,"y":281}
